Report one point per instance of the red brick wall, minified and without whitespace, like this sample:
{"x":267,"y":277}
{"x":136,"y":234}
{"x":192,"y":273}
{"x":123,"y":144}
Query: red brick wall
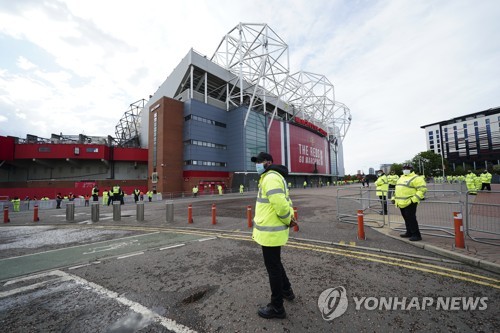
{"x":170,"y":160}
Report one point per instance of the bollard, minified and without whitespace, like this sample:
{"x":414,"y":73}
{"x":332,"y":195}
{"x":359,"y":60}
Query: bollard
{"x":361,"y":226}
{"x":6,"y":214}
{"x":214,"y":213}
{"x":296,"y":215}
{"x":170,"y":211}
{"x":459,"y":230}
{"x":140,"y":211}
{"x":249,"y":216}
{"x":94,"y":211}
{"x":35,"y":214}
{"x":117,"y":211}
{"x":70,"y":211}
{"x":190,"y":213}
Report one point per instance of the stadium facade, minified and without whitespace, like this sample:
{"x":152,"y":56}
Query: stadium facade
{"x":471,"y":141}
{"x":211,"y":115}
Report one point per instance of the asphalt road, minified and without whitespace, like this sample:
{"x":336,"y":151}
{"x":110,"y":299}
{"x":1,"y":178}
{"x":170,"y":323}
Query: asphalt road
{"x":152,"y":276}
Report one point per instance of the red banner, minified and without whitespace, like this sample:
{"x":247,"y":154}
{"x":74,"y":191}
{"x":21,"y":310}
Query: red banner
{"x":308,"y":151}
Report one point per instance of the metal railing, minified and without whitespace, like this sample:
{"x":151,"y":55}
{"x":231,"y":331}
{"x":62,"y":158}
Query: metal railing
{"x":482,"y":217}
{"x":434,"y":214}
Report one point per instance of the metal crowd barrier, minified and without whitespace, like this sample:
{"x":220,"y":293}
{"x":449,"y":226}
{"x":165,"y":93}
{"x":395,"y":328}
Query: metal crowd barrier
{"x":482,"y":217}
{"x":434,"y":214}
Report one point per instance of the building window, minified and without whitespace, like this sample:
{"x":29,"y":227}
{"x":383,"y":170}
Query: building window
{"x":204,"y":120}
{"x":92,"y":150}
{"x":205,"y":144}
{"x":205,"y":163}
{"x":44,"y":149}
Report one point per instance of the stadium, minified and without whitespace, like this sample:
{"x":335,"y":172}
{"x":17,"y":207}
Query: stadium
{"x":199,"y":128}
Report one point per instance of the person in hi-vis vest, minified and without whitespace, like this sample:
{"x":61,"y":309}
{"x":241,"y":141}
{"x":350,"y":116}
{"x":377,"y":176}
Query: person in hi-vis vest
{"x":274,"y":216}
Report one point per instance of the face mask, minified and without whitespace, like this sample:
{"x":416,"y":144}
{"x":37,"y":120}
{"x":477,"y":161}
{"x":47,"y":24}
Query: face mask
{"x":406,"y":171}
{"x":260,"y":168}
{"x":379,"y":174}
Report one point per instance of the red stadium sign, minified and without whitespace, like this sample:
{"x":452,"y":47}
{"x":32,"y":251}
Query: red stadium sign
{"x":306,"y":152}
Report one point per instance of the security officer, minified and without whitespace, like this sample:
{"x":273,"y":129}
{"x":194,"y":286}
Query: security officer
{"x":16,"y":204}
{"x":382,"y":187}
{"x":410,"y":190}
{"x":195,"y":191}
{"x":393,"y":180}
{"x":470,"y":182}
{"x":305,"y":184}
{"x":95,"y":193}
{"x":241,"y":188}
{"x":105,"y":197}
{"x":116,"y":193}
{"x":486,"y":180}
{"x":273,"y":218}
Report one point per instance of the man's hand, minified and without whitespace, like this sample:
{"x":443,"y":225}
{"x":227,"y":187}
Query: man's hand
{"x":294,"y":224}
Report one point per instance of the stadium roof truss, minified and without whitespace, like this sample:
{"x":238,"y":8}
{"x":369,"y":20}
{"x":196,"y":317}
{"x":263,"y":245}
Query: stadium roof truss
{"x":127,"y":130}
{"x":259,"y":60}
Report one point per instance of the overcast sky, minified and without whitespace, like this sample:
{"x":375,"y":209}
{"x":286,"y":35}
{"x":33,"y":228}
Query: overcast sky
{"x":75,"y":66}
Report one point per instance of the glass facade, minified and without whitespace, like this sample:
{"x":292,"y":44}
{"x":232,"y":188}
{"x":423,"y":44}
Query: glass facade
{"x":255,"y":137}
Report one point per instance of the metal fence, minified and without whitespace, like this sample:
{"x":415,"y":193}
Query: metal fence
{"x":435,"y":213}
{"x":482,"y":217}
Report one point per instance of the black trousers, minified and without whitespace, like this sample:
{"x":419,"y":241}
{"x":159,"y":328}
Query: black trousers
{"x":409,"y":214}
{"x":392,"y":188}
{"x":277,"y":275}
{"x":486,"y":186}
{"x":383,"y":202}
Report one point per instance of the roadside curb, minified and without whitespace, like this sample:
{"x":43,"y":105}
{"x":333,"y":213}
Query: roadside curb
{"x":481,"y":263}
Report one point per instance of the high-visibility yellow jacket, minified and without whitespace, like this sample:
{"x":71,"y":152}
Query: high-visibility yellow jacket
{"x":392,"y":179}
{"x":486,"y":177}
{"x":410,"y":188}
{"x":470,"y":182}
{"x":116,"y":190}
{"x":382,"y":185}
{"x":273,"y":209}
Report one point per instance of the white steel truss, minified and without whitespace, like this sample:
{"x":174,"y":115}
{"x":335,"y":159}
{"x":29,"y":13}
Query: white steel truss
{"x":259,"y":59}
{"x":127,"y":130}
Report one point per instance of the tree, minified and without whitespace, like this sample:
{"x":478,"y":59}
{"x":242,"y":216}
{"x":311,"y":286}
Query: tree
{"x":429,"y":163}
{"x":397,"y":168}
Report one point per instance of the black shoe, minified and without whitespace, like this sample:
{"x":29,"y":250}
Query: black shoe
{"x":405,"y":235}
{"x":415,"y":238}
{"x":270,"y":311}
{"x":288,"y":295}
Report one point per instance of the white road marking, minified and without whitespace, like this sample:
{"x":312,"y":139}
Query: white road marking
{"x":206,"y":239}
{"x":61,"y":276}
{"x":130,"y":255}
{"x":171,"y":246}
{"x":111,"y":247}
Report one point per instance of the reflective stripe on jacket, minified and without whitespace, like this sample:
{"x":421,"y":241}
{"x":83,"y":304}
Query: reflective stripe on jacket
{"x":410,"y":188}
{"x":273,"y":210}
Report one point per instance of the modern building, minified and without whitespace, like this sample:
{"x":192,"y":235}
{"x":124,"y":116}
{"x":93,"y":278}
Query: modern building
{"x":470,"y":141}
{"x":212,"y":114}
